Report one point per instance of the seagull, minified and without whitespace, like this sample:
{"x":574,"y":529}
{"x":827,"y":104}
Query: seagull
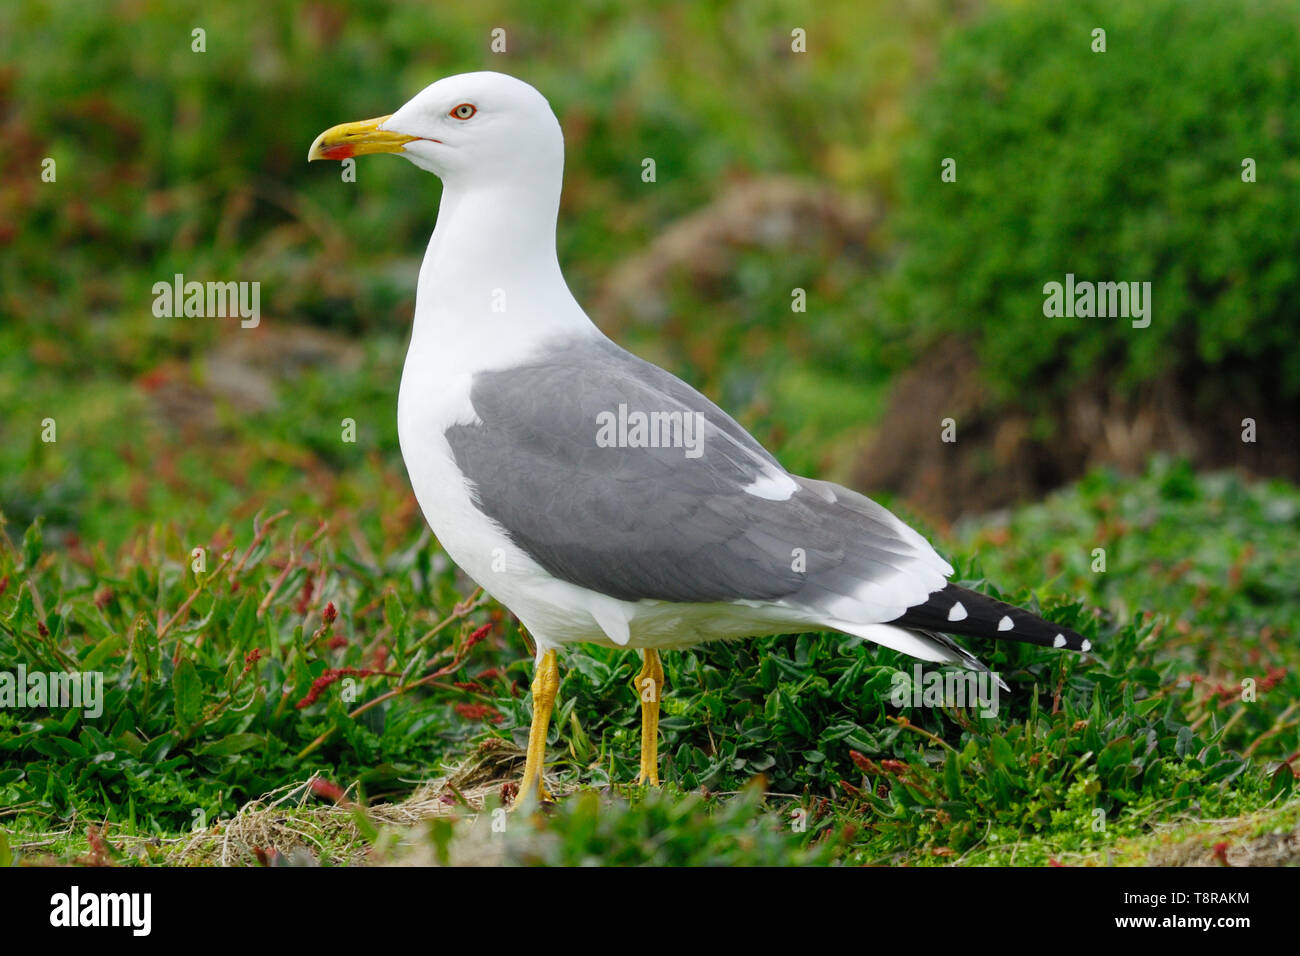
{"x":597,"y":496}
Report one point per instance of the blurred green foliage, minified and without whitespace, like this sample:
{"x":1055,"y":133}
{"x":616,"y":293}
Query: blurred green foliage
{"x":172,"y":161}
{"x":182,"y":160}
{"x":1117,"y":166}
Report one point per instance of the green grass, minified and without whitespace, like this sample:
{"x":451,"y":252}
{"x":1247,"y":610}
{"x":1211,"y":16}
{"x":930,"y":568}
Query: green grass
{"x":205,"y":674}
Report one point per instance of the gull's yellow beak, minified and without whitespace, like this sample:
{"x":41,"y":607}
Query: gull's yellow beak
{"x":357,"y":139}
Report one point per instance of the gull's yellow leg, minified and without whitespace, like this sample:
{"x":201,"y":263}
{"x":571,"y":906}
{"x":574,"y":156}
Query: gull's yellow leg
{"x":546,"y":682}
{"x":650,"y":687}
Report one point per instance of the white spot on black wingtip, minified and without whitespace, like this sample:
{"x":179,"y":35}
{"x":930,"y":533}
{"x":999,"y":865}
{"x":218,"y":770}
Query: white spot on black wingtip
{"x":1005,"y":624}
{"x":1059,"y":641}
{"x":957,"y":612}
{"x":1085,"y":646}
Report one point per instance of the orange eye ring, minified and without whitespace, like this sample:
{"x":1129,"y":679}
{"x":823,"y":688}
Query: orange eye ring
{"x":463,"y":112}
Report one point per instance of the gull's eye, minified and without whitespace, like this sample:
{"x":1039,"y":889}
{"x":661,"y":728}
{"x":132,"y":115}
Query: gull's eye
{"x":463,"y":112}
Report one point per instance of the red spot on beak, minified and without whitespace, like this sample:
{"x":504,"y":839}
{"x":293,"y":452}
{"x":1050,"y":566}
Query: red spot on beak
{"x":341,"y":151}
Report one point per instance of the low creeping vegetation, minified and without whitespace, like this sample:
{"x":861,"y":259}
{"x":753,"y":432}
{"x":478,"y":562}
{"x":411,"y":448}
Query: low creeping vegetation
{"x":274,"y":655}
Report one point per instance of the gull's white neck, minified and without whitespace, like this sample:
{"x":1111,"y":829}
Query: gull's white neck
{"x":490,"y":286}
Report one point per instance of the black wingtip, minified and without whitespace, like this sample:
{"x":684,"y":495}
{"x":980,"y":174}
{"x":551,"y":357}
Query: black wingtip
{"x":959,"y":610}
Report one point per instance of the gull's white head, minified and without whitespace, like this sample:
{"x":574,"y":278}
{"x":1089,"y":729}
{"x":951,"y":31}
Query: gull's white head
{"x":469,"y":129}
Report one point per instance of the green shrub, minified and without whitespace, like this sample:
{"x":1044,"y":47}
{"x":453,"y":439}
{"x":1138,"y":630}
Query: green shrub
{"x":1123,"y":165}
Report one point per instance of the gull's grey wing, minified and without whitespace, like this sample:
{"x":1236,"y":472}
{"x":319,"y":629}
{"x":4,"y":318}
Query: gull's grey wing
{"x":644,"y":522}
